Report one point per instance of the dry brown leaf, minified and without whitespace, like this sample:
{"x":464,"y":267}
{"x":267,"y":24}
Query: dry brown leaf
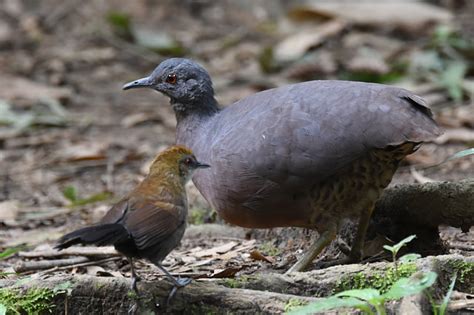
{"x":225,"y":273}
{"x":216,"y":250}
{"x":456,"y":135}
{"x":94,"y":270}
{"x":239,"y":250}
{"x":296,"y":45}
{"x":257,"y":255}
{"x":16,"y":89}
{"x":9,"y":211}
{"x":138,"y":118}
{"x":405,"y":15}
{"x":84,"y":151}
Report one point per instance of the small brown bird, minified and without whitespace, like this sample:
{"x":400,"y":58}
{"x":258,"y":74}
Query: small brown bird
{"x":308,"y":154}
{"x":150,"y":221}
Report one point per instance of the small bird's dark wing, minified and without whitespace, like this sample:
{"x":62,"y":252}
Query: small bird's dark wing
{"x":150,"y":222}
{"x":116,"y":213}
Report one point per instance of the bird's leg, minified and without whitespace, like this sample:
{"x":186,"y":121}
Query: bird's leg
{"x":178,"y":283}
{"x":135,"y":278}
{"x":355,"y":254}
{"x":359,"y":241}
{"x":316,"y":248}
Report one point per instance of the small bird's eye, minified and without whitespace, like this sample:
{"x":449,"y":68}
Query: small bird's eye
{"x":171,"y":78}
{"x":188,"y":161}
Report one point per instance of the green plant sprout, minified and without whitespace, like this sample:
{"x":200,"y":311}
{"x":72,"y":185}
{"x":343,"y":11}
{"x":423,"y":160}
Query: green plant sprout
{"x":396,"y":248}
{"x":441,"y":308}
{"x":368,"y":300}
{"x":70,"y":194}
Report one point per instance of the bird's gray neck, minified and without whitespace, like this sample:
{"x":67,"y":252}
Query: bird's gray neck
{"x":192,"y":121}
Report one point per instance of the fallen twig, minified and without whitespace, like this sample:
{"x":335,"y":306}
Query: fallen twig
{"x":72,"y":251}
{"x":24,"y":266}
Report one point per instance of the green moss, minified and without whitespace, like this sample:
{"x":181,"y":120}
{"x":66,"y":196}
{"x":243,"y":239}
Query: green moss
{"x":381,"y":281}
{"x":294,"y":303}
{"x":464,"y":269}
{"x":269,"y":249}
{"x":32,"y":301}
{"x":239,"y":282}
{"x":197,"y":216}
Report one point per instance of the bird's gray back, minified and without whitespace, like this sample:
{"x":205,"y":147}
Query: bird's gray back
{"x":292,"y":137}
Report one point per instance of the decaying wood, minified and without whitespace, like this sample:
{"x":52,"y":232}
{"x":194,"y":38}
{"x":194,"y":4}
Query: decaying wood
{"x":264,"y":293}
{"x":105,"y":295}
{"x":324,"y":282}
{"x":430,"y":204}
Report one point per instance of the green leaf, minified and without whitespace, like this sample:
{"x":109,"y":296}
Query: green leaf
{"x":395,"y":248}
{"x":3,"y":309}
{"x":461,"y":154}
{"x":444,"y":305}
{"x":11,"y":251}
{"x":70,"y":193}
{"x":409,"y":258}
{"x":92,"y":199}
{"x":409,"y":286}
{"x":452,"y":78}
{"x":121,"y":24}
{"x":362,"y":294}
{"x":330,"y":303}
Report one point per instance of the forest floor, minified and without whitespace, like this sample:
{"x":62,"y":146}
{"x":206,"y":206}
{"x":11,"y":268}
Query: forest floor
{"x":72,"y":142}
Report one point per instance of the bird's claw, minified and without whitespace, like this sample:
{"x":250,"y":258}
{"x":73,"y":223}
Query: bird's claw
{"x":182,"y":282}
{"x":133,"y":309}
{"x":178,"y":283}
{"x":133,"y":285}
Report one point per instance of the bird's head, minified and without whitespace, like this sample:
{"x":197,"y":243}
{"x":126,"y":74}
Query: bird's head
{"x":187,"y":84}
{"x":176,"y":160}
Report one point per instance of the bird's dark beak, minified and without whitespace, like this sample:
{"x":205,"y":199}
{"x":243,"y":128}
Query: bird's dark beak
{"x":202,"y":165}
{"x":140,"y":83}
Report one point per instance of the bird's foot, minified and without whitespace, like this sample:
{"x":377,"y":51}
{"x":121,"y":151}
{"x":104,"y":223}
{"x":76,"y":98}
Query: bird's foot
{"x":343,"y":247}
{"x":133,"y":286}
{"x":133,"y":309}
{"x":182,"y":282}
{"x":178,"y":283}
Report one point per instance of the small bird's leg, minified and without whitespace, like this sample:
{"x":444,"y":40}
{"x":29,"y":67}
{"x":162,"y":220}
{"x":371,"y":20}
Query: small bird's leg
{"x":356,"y":252}
{"x":135,"y":278}
{"x":178,"y":283}
{"x":316,"y":248}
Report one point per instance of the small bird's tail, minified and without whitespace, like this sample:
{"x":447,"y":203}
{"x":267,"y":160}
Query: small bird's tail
{"x":98,"y":235}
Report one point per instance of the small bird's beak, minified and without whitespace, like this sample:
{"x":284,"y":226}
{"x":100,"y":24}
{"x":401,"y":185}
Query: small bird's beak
{"x":202,"y":165}
{"x":140,"y":83}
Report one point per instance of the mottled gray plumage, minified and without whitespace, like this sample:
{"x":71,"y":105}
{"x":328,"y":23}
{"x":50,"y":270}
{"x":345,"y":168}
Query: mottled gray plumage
{"x":270,"y":151}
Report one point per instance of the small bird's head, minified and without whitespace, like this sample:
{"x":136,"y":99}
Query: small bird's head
{"x":176,"y":160}
{"x":188,"y":84}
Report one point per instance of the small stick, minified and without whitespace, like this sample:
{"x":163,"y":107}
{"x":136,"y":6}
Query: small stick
{"x":24,"y":266}
{"x":89,"y":263}
{"x":71,"y":251}
{"x":462,"y":246}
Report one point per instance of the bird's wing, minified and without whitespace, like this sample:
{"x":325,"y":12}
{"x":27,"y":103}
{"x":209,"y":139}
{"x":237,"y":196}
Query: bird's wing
{"x":150,"y":221}
{"x":310,"y":131}
{"x":116,"y":213}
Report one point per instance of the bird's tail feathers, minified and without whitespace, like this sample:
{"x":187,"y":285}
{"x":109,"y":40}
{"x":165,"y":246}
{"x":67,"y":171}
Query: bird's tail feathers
{"x":98,"y":235}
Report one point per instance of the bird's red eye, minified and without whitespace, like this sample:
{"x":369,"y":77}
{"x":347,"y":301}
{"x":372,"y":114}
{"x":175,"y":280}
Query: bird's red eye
{"x":171,"y":78}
